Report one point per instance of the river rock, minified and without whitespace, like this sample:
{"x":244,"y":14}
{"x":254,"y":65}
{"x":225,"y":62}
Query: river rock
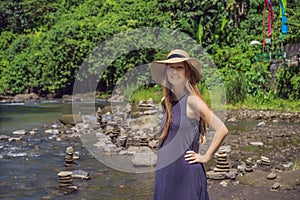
{"x":215,"y":175}
{"x":261,"y":123}
{"x":49,"y":131}
{"x":272,"y":176}
{"x":80,"y":174}
{"x":100,"y":144}
{"x":275,"y":186}
{"x":242,"y":167}
{"x":259,"y":144}
{"x":226,"y":148}
{"x":110,"y":147}
{"x":224,"y":183}
{"x":144,"y":157}
{"x":19,"y":132}
{"x":19,"y":154}
{"x":132,"y":150}
{"x":288,"y":165}
{"x":70,"y":119}
{"x":4,"y":137}
{"x":231,"y":174}
{"x":32,"y":132}
{"x":14,"y":139}
{"x":26,"y":97}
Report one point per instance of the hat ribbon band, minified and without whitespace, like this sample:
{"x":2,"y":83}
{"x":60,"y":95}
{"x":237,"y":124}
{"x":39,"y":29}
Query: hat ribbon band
{"x":175,"y":56}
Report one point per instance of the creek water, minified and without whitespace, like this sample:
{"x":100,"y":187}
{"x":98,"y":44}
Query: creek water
{"x":29,"y":167}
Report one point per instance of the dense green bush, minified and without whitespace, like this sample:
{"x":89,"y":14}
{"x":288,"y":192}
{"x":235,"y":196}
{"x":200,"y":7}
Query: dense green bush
{"x":43,"y":43}
{"x":288,"y":82}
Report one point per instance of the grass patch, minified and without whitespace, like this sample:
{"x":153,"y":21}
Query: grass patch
{"x":145,"y":93}
{"x":215,"y":100}
{"x":296,"y":165}
{"x":103,"y":95}
{"x":253,"y":103}
{"x":250,"y":148}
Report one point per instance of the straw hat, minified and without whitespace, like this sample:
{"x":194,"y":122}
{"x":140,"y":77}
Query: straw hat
{"x":158,"y":68}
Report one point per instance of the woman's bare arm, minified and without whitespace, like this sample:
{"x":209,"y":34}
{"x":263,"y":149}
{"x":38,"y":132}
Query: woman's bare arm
{"x":197,"y":108}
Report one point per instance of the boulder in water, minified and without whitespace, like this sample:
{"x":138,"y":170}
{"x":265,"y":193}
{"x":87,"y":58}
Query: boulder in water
{"x":144,"y":157}
{"x":26,"y":97}
{"x":70,"y":119}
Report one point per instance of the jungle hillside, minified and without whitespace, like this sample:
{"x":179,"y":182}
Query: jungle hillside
{"x":43,"y":43}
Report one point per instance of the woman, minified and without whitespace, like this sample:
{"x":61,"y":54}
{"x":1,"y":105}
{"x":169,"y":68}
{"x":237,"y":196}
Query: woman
{"x":180,"y":173}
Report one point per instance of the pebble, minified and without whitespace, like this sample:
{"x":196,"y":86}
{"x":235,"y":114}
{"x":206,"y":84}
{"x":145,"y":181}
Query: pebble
{"x":224,"y":183}
{"x":272,"y":176}
{"x":14,"y":139}
{"x":261,"y":123}
{"x":19,"y":132}
{"x":257,"y":143}
{"x":80,"y":174}
{"x":242,"y":167}
{"x":32,"y":132}
{"x":275,"y":186}
{"x":4,"y":137}
{"x":50,"y":131}
{"x":288,"y":165}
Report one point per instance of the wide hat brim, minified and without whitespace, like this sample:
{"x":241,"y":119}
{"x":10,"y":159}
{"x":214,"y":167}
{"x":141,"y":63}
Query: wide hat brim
{"x":158,"y":68}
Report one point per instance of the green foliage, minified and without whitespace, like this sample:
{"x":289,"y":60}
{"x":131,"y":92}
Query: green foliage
{"x":288,"y":82}
{"x":271,"y":104}
{"x":235,"y":87}
{"x":258,"y":79}
{"x":6,"y":38}
{"x":43,"y":44}
{"x":144,"y":94}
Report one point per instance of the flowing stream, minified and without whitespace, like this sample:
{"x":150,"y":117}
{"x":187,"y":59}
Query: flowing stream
{"x":29,"y":167}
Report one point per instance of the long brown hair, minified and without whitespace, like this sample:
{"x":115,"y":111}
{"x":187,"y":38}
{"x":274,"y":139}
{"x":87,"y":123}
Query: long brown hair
{"x":192,"y":88}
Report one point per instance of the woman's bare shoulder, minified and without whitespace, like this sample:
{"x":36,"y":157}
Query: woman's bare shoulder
{"x":194,"y":101}
{"x":197,"y":104}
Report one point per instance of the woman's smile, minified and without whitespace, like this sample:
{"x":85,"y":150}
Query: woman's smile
{"x":175,"y":72}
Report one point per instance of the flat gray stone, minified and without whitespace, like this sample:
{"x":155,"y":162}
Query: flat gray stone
{"x":144,"y":157}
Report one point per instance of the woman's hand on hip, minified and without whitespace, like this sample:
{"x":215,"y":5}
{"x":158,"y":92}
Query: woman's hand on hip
{"x":192,"y":157}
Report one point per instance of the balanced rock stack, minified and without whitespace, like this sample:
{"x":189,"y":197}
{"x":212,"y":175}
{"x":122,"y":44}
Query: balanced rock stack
{"x":100,"y":120}
{"x":132,"y":141}
{"x":99,"y":115}
{"x":65,"y":180}
{"x":113,"y":133}
{"x":222,"y":162}
{"x":121,"y":141}
{"x":264,"y":162}
{"x":143,"y":141}
{"x":69,"y":160}
{"x":249,"y":165}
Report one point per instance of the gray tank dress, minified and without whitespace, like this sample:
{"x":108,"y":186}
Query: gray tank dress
{"x":175,"y":178}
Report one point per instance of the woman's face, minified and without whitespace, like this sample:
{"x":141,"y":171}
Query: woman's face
{"x":176,"y":73}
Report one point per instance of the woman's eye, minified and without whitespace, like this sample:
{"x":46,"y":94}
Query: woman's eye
{"x":176,"y":68}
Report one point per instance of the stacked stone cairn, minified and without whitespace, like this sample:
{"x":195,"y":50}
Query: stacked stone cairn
{"x":69,"y":160}
{"x":66,"y":181}
{"x":118,"y":126}
{"x":147,"y":108}
{"x":249,"y":165}
{"x":100,"y":120}
{"x":264,"y":162}
{"x":222,"y":162}
{"x":113,"y":133}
